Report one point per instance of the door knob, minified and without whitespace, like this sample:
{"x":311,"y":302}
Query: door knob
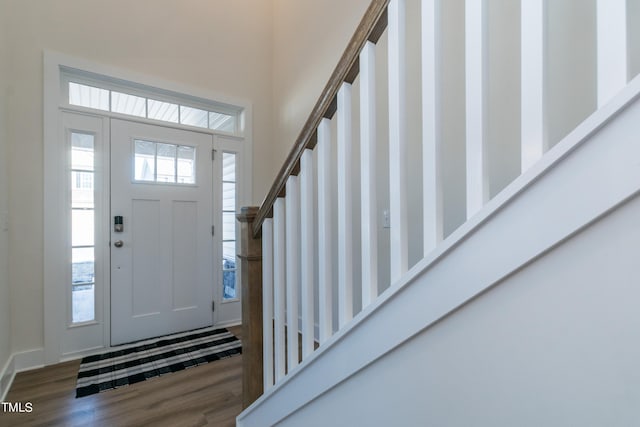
{"x":118,"y":243}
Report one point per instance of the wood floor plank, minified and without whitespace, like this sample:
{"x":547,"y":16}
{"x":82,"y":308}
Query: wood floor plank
{"x":206,"y":395}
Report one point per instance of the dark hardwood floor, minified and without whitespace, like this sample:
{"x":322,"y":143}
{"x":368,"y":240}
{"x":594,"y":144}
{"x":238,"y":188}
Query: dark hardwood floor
{"x":207,"y":395}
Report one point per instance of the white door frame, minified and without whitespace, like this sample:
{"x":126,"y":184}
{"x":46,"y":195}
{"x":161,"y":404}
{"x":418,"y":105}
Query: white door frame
{"x":229,"y":144}
{"x":56,"y":329}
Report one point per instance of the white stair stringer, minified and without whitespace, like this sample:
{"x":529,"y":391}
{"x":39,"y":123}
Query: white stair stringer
{"x":585,"y":177}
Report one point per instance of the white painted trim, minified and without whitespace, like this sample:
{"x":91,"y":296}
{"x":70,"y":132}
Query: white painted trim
{"x":534,"y":141}
{"x":432,"y":182}
{"x":28,"y":360}
{"x":292,"y":239}
{"x":19,"y":362}
{"x":612,"y":48}
{"x":54,"y":304}
{"x":398,"y":144}
{"x":476,"y":72}
{"x":345,"y":206}
{"x":524,"y":221}
{"x":244,"y":178}
{"x":325,"y":232}
{"x":368,"y":174}
{"x":7,"y":375}
{"x":307,"y":262}
{"x":267,"y":302}
{"x":279,"y":289}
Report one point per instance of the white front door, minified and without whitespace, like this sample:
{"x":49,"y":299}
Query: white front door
{"x":161,"y":261}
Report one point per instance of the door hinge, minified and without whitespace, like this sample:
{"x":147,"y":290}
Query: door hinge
{"x":213,"y":306}
{"x":213,"y":154}
{"x":213,"y":230}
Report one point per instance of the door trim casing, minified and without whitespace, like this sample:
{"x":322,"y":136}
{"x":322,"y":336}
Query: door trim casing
{"x":55,"y":307}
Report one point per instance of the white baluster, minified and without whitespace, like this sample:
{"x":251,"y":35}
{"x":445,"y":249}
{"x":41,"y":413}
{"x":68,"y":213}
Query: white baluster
{"x":325,"y":232}
{"x":368,"y":174}
{"x":398,"y":138}
{"x":533,"y":127}
{"x":612,"y":43}
{"x":345,"y":207}
{"x":267,"y":302}
{"x":279,"y":268}
{"x":476,"y":56}
{"x":308,"y":251}
{"x":431,"y":134}
{"x":293,"y":270}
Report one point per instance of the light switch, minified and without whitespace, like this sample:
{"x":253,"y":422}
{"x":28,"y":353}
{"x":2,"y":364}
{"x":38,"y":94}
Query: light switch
{"x":386,"y":221}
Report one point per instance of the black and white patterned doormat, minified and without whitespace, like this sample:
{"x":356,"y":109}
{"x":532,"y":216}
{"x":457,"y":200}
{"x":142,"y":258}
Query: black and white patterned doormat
{"x":154,"y":358}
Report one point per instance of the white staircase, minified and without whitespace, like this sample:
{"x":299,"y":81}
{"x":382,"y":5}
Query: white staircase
{"x":524,"y":314}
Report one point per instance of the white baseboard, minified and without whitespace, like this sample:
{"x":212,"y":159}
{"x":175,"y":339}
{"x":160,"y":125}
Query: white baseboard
{"x":19,"y":362}
{"x":7,"y":375}
{"x":27,"y":360}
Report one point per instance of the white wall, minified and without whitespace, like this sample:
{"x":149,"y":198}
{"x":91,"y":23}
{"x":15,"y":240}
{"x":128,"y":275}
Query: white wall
{"x":308,"y":39}
{"x":5,"y":308}
{"x":554,"y":345}
{"x":453,"y":115}
{"x":633,"y":32}
{"x":503,"y":121}
{"x":571,"y":65}
{"x":222,"y":47}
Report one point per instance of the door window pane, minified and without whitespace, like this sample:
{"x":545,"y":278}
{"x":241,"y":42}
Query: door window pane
{"x":229,"y":196}
{"x":229,"y":284}
{"x":194,"y":117}
{"x":229,"y":226}
{"x":82,"y":151}
{"x":128,"y":104}
{"x":166,"y":163}
{"x":83,"y":303}
{"x":164,"y":111}
{"x":88,"y":96}
{"x":82,"y":265}
{"x":186,"y":165}
{"x":222,"y":122}
{"x":81,"y":190}
{"x":229,"y":255}
{"x":228,"y":167}
{"x":82,"y":226}
{"x":145,"y":161}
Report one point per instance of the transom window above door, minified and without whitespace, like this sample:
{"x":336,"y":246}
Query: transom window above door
{"x":102,"y":93}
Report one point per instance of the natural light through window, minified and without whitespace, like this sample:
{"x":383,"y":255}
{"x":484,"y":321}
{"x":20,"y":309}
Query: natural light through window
{"x":82,"y":228}
{"x":229,"y":281}
{"x":88,"y":96}
{"x":97,"y":98}
{"x":164,"y":163}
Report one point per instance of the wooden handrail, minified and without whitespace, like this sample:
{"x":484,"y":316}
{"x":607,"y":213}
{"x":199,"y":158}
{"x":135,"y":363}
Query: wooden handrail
{"x":371,"y":28}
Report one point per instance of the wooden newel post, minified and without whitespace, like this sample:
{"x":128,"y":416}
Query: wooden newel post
{"x":251,"y":273}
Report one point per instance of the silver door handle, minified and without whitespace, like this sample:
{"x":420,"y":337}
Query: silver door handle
{"x":118,"y":243}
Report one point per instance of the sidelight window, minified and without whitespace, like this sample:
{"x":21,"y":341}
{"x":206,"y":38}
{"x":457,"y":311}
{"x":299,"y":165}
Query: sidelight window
{"x":229,"y":197}
{"x":82,"y":228}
